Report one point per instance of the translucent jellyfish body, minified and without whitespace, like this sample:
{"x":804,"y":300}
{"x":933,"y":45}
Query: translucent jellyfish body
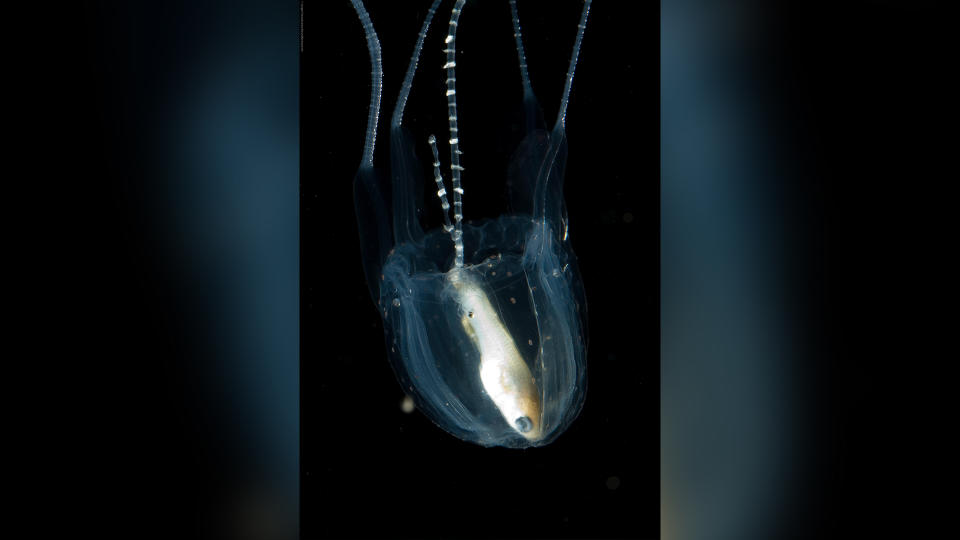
{"x":485,"y":321}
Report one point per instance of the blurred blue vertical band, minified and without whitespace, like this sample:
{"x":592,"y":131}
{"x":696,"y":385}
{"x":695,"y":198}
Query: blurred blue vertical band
{"x":801,"y":156}
{"x":233,"y":128}
{"x":727,"y":391}
{"x":236,"y":136}
{"x":208,"y":95}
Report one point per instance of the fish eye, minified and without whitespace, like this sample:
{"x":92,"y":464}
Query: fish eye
{"x":523,"y":424}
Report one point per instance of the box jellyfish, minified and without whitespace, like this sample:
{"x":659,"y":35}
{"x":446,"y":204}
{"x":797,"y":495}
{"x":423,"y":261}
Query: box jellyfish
{"x":485,"y":320}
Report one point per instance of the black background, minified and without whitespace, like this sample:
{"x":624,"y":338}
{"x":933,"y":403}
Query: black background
{"x":356,"y":441}
{"x":114,"y":432}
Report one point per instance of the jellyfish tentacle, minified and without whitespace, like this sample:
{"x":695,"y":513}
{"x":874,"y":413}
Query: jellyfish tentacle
{"x":412,"y":68}
{"x":376,"y":75}
{"x":441,"y":187}
{"x":556,"y":151}
{"x":531,"y":108}
{"x":451,"y":93}
{"x":562,"y":113}
{"x":521,"y":56}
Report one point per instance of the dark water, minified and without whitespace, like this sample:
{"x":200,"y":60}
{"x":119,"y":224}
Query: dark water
{"x":754,"y":191}
{"x":601,"y":477}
